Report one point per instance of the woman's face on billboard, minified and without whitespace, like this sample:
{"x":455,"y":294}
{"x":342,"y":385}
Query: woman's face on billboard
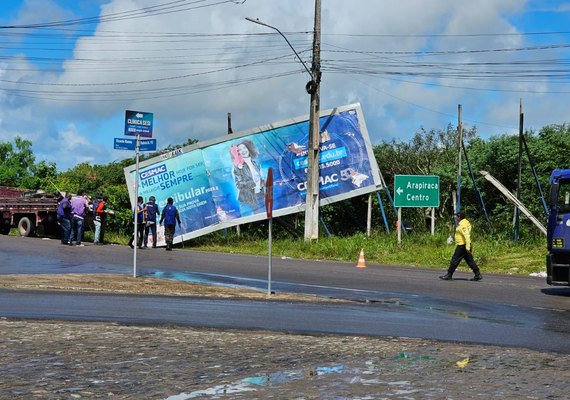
{"x":243,"y":150}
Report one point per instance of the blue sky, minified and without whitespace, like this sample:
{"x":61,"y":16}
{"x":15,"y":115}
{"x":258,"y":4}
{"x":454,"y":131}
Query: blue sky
{"x":70,"y":69}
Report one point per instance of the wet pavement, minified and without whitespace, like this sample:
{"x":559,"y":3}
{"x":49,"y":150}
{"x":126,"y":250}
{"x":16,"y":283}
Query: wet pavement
{"x":73,"y":345}
{"x":457,"y":311}
{"x":373,"y":319}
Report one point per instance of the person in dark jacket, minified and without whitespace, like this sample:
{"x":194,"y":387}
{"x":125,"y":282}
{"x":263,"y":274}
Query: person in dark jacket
{"x":169,"y":216}
{"x":152,"y":211}
{"x":140,"y":210}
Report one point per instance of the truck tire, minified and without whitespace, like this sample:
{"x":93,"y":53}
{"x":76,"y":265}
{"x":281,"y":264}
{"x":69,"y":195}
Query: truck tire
{"x":25,"y":227}
{"x":4,"y":228}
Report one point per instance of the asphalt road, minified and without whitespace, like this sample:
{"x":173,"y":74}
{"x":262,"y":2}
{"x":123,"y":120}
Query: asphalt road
{"x":387,"y":301}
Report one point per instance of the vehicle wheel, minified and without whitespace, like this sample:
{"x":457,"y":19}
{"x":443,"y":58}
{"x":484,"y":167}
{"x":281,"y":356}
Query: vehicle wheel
{"x":25,"y":227}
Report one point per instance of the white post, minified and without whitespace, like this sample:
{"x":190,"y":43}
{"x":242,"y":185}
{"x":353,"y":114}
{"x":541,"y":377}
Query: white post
{"x":136,"y":216}
{"x":369,"y":216}
{"x":399,"y":225}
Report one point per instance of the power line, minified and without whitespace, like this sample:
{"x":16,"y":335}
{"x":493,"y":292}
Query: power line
{"x":415,"y":105}
{"x":146,"y":93}
{"x":160,"y":9}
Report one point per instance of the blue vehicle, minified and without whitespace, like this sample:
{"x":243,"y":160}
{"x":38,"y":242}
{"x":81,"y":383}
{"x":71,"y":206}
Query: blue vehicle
{"x":558,"y":229}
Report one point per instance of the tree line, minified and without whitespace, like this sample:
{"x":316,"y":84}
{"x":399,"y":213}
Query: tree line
{"x":433,"y":152}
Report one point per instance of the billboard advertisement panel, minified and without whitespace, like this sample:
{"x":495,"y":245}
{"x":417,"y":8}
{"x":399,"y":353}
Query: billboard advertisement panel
{"x":221,"y":183}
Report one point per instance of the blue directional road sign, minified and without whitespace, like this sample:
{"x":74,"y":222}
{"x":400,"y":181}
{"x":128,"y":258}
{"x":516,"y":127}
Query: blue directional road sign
{"x":125,"y":144}
{"x":148,"y":145}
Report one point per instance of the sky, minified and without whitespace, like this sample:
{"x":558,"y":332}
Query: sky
{"x":70,"y":69}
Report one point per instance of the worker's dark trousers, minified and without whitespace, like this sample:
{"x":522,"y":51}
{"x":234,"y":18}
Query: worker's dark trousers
{"x":461,"y":253}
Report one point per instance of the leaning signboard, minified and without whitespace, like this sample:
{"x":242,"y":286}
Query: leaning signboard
{"x":221,"y":182}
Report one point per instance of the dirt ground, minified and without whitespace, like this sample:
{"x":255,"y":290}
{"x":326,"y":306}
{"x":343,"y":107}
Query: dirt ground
{"x":61,"y":360}
{"x":115,"y":283}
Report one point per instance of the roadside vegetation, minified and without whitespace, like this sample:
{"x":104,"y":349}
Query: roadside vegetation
{"x":493,"y":255}
{"x":498,"y":246}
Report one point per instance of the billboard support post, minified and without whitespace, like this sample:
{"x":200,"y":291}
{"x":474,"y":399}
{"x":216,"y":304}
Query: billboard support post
{"x":269,"y":210}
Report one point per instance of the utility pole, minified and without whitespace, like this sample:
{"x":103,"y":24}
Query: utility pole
{"x":230,"y":131}
{"x":460,"y":147}
{"x":313,"y":87}
{"x":521,"y":138}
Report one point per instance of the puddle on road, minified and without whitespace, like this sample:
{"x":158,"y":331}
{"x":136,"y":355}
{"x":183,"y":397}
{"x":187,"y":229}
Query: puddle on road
{"x":211,"y":279}
{"x":339,"y":374}
{"x":391,"y":301}
{"x":253,"y":383}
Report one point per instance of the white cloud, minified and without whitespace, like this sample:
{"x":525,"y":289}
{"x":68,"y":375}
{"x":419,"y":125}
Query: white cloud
{"x":393,"y":107}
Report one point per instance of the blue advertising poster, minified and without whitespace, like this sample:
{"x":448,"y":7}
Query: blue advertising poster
{"x":138,"y":123}
{"x":221,"y":183}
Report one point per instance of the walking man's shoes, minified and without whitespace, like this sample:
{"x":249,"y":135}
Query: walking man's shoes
{"x":477,"y":277}
{"x":446,"y":277}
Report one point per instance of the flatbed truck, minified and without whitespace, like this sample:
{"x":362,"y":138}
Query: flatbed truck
{"x":34,"y":215}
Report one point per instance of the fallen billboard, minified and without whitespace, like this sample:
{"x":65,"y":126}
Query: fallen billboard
{"x":220,"y":183}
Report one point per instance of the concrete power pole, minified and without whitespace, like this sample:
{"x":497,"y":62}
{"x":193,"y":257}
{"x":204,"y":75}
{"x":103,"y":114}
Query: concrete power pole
{"x":460,"y":147}
{"x":313,"y":87}
{"x":521,"y":139}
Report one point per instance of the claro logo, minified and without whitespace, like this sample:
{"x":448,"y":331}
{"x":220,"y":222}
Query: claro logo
{"x":161,"y":169}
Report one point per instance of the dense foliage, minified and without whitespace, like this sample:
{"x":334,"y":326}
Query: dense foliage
{"x":433,"y":152}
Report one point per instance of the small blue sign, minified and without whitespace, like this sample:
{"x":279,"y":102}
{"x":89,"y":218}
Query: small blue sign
{"x":148,"y":145}
{"x":138,"y":123}
{"x":125,"y":144}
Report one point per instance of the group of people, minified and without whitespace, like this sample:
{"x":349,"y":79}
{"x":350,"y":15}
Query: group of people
{"x":73,"y":210}
{"x":71,"y":214}
{"x":146,"y":215}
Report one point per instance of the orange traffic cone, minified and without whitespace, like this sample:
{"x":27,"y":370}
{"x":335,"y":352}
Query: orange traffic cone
{"x":361,"y":261}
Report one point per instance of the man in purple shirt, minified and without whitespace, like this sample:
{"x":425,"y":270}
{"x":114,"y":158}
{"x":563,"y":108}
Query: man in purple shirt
{"x":79,"y":206}
{"x":64,"y":217}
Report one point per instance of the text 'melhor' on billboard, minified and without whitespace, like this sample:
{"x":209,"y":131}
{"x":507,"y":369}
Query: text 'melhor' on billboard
{"x":222,"y":182}
{"x":138,"y":123}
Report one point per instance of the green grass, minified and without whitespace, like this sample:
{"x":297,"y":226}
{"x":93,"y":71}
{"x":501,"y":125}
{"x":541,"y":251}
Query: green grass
{"x":421,"y":250}
{"x":493,"y":255}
